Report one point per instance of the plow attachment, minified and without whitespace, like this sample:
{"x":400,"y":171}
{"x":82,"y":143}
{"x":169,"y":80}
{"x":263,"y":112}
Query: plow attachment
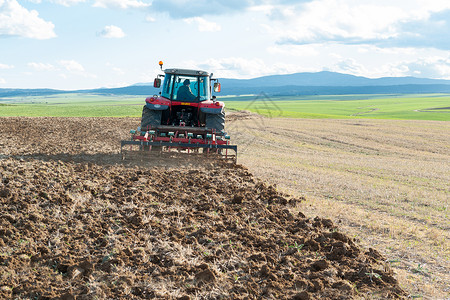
{"x":167,"y":140}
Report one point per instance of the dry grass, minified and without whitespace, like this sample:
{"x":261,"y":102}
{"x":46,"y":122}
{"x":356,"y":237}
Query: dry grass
{"x":384,"y":181}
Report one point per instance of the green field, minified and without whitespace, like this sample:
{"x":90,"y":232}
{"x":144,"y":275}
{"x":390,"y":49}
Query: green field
{"x":72,"y":105}
{"x":405,"y":107}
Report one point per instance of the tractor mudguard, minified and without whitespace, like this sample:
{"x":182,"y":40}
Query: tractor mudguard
{"x":211,"y":107}
{"x":157,"y":103}
{"x":207,"y":110}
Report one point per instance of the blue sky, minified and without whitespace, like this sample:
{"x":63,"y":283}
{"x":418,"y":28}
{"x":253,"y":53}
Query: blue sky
{"x":77,"y":44}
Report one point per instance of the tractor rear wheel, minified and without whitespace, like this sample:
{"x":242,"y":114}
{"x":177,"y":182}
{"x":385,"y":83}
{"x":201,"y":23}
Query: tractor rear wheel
{"x":216,"y":121}
{"x":150,"y":117}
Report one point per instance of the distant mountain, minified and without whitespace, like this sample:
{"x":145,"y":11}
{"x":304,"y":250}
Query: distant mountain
{"x":338,"y":90}
{"x":320,"y":83}
{"x":28,"y":92}
{"x":328,"y":83}
{"x":145,"y":90}
{"x":326,"y":78}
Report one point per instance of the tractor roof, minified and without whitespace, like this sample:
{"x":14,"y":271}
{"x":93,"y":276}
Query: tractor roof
{"x":186,"y":72}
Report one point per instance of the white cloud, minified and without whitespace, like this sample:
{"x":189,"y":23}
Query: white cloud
{"x":427,"y":31}
{"x":115,"y":69}
{"x":383,"y":23}
{"x":2,"y":81}
{"x":60,"y":2}
{"x":349,"y":66}
{"x":233,"y":67}
{"x":111,"y":32}
{"x":67,"y":2}
{"x":118,"y":71}
{"x":74,"y":68}
{"x":123,"y":4}
{"x":431,"y":67}
{"x":203,"y":25}
{"x":333,"y":20}
{"x":41,"y":66}
{"x":4,"y":67}
{"x":150,"y":19}
{"x":434,"y":5}
{"x":71,"y":66}
{"x":15,"y":20}
{"x":294,"y":50}
{"x":240,"y":67}
{"x":182,"y":9}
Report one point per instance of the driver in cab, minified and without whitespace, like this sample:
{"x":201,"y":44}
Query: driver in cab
{"x":184,"y":92}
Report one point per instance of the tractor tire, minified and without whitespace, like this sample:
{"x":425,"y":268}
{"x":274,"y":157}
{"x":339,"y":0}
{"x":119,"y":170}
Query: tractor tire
{"x":216,"y":121}
{"x":150,"y":117}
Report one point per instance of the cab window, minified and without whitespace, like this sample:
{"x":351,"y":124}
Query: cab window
{"x":167,"y":86}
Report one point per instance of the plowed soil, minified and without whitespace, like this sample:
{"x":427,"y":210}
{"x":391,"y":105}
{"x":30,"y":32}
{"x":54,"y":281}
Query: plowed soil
{"x":79,"y":223}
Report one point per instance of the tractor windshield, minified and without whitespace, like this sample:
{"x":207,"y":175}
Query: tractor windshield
{"x":186,"y":88}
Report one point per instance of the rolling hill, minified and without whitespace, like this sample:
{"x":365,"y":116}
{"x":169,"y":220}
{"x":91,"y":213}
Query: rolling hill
{"x":320,"y":83}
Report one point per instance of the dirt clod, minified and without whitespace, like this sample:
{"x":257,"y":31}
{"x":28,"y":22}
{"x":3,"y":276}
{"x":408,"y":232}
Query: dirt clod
{"x":320,"y":265}
{"x":205,"y":275}
{"x":301,"y":296}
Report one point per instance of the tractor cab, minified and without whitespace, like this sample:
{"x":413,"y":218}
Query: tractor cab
{"x":185,"y":100}
{"x":186,"y":85}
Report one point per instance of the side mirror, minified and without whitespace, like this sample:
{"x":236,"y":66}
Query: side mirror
{"x":157,"y":83}
{"x":216,"y":87}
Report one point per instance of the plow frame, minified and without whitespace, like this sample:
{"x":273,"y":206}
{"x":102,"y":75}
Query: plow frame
{"x":181,"y":138}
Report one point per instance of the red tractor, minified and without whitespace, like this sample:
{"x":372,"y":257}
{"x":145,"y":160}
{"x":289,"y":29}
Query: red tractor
{"x":185,"y":117}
